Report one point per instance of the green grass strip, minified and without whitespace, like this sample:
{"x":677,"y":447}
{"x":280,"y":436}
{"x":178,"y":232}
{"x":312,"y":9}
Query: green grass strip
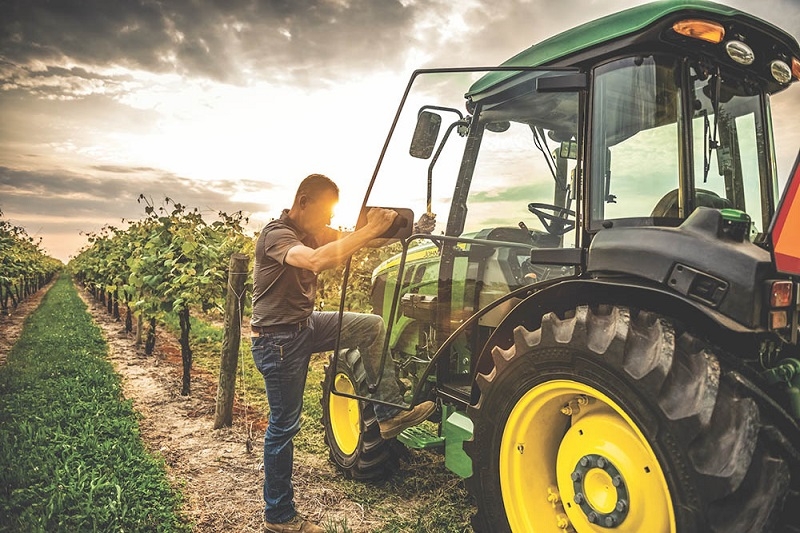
{"x":71,"y":458}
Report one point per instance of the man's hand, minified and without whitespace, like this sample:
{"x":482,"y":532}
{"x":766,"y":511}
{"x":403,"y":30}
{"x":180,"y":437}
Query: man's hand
{"x":426,"y":223}
{"x":380,"y":220}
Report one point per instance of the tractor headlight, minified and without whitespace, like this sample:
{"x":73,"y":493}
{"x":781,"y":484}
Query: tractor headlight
{"x":740,"y":52}
{"x":780,"y":71}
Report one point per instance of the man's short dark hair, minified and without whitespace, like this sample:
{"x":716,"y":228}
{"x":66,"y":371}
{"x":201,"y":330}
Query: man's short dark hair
{"x":315,"y":184}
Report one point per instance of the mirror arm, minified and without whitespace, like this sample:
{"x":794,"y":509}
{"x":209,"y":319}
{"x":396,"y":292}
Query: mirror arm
{"x":440,"y":108}
{"x":435,"y":158}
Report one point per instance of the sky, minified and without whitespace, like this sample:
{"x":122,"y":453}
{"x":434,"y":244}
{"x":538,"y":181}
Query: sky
{"x":225,"y":105}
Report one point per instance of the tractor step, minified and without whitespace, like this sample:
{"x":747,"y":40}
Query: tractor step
{"x":420,"y":438}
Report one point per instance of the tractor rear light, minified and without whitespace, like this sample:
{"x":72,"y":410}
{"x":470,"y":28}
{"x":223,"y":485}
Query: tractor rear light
{"x":780,"y":294}
{"x":778,"y":319}
{"x":705,"y":30}
{"x":796,"y":68}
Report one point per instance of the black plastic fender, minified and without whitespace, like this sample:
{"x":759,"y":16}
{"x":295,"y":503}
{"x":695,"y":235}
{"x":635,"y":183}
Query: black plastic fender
{"x":561,"y":296}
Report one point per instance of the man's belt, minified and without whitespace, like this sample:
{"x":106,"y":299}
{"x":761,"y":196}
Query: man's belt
{"x":279,"y":328}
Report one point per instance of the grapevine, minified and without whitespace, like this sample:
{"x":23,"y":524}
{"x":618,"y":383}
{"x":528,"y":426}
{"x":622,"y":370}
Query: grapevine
{"x":24,"y":266}
{"x":171,"y":261}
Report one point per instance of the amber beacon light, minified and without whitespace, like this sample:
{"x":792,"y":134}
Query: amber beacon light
{"x":704,"y":30}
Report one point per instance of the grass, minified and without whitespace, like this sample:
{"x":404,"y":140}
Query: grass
{"x":70,"y":454}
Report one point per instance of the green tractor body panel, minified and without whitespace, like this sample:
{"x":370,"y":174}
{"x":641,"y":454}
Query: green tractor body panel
{"x":457,"y":428}
{"x":418,"y":280}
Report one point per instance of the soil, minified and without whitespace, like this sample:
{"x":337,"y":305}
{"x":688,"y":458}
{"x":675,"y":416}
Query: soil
{"x":220,"y":478}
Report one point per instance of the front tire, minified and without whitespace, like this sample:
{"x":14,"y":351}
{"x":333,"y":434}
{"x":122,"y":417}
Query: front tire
{"x":351,"y":429}
{"x":609,"y":420}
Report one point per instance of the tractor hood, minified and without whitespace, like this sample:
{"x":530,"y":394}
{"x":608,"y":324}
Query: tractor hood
{"x":785,"y":228}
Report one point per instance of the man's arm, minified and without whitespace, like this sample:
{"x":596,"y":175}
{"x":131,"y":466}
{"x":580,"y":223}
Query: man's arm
{"x":336,"y":252}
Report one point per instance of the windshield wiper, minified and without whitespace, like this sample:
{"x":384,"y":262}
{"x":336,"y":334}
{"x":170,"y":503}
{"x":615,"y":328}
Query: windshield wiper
{"x":710,"y":141}
{"x":540,"y":142}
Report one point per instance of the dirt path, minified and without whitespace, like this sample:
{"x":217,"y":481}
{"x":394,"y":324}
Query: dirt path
{"x":11,"y":325}
{"x":220,"y":479}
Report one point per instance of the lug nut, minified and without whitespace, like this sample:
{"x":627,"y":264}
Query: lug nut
{"x":617,"y":481}
{"x":621,"y":505}
{"x":576,"y":476}
{"x":601,"y":462}
{"x":592,"y":517}
{"x":579,"y":498}
{"x":610,"y":521}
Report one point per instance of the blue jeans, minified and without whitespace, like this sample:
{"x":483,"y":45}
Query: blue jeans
{"x":283,"y":358}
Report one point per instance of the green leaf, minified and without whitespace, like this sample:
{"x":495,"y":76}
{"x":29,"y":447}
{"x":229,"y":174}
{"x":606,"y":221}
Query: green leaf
{"x":188,"y":247}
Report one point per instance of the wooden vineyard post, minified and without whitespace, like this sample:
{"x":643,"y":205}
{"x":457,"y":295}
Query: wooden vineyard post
{"x":234,"y":306}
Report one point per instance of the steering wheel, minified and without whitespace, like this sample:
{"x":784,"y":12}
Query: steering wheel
{"x":553,"y":218}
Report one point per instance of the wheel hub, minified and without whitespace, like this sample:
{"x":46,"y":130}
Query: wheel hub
{"x":600,"y":491}
{"x":621,"y":485}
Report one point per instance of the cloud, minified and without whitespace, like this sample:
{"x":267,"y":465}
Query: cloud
{"x":513,"y":193}
{"x":223,"y":41}
{"x":72,"y":48}
{"x":61,"y":207}
{"x":60,"y":83}
{"x":89,"y":197}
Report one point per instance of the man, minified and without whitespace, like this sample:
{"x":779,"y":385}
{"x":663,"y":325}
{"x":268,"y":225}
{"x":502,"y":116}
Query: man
{"x":290,"y":252}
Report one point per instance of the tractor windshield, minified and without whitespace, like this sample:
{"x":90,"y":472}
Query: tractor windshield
{"x":498,"y":175}
{"x":486,"y":166}
{"x":650,"y":164}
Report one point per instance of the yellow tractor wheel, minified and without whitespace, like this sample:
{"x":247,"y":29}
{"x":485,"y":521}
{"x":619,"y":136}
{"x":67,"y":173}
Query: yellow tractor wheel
{"x":616,"y":421}
{"x":351,"y":429}
{"x":603,"y":467}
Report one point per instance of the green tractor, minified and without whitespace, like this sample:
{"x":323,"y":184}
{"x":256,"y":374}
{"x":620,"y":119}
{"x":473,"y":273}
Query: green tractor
{"x":607,"y":312}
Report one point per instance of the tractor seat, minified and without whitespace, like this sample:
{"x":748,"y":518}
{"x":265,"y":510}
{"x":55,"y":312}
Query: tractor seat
{"x":667,"y":207}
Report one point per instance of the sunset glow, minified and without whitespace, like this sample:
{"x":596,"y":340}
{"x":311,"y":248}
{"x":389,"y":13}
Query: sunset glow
{"x":228,"y":107}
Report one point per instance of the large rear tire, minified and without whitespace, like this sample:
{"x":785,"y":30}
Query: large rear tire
{"x":611,"y":421}
{"x":351,"y":429}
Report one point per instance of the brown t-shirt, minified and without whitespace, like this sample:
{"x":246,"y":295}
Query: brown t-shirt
{"x":283,"y":294}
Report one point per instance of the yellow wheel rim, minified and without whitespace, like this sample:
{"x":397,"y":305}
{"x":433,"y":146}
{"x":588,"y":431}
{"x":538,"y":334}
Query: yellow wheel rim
{"x":345,"y":416}
{"x":571,"y":457}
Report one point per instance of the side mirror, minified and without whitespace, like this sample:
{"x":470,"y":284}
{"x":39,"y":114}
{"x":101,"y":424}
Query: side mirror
{"x":425,"y":135}
{"x":401,"y":228}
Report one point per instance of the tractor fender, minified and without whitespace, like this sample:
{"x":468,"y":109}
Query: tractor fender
{"x":562,"y":296}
